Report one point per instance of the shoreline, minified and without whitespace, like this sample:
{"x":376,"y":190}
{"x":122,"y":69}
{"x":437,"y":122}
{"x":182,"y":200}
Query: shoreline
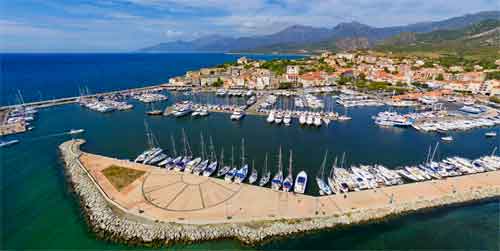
{"x":110,"y":221}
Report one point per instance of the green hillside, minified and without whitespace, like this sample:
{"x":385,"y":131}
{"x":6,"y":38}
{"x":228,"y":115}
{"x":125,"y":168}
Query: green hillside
{"x":481,"y":40}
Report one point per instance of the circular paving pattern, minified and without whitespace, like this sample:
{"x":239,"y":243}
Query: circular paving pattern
{"x":177,"y":191}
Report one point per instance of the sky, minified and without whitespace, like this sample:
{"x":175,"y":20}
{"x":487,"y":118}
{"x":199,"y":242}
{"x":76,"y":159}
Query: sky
{"x":128,"y":25}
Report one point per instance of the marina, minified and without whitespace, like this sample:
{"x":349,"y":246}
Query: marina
{"x":179,"y":197}
{"x":379,"y":161}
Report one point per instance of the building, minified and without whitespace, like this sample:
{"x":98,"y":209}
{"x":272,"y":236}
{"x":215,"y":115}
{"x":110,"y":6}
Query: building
{"x":312,"y":79}
{"x":242,"y":60}
{"x":293,"y":69}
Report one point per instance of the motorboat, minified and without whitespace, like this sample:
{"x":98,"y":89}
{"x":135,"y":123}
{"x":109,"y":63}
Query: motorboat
{"x":270,"y":117}
{"x":300,"y":182}
{"x":8,"y":143}
{"x":317,"y":121}
{"x":302,"y":118}
{"x":238,"y":114}
{"x":287,"y":119}
{"x":447,"y":138}
{"x":491,"y":134}
{"x":76,"y":131}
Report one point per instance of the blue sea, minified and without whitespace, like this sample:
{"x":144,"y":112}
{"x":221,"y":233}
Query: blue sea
{"x":38,"y":210}
{"x":48,"y":76}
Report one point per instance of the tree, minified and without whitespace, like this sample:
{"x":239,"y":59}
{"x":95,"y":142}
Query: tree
{"x":440,"y":77}
{"x":362,"y":76}
{"x":493,"y":75}
{"x":285,"y":85}
{"x":495,"y":99}
{"x":218,"y":83}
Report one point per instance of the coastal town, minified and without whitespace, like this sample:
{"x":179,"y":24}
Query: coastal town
{"x":250,"y":125}
{"x":356,"y":70}
{"x":362,"y":78}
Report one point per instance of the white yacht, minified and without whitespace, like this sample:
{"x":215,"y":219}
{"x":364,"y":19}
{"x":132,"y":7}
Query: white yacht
{"x":287,"y":119}
{"x":300,"y":182}
{"x":270,"y":118}
{"x":317,"y":121}
{"x":76,"y":131}
{"x":302,"y":118}
{"x":238,"y":114}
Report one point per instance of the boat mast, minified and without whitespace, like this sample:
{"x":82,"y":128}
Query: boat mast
{"x":323,"y":164}
{"x":242,"y":151}
{"x":202,"y":142}
{"x":232,"y":156}
{"x":21,"y":99}
{"x":280,"y":169}
{"x":290,"y":163}
{"x":173,"y":145}
{"x":186,"y":142}
{"x":342,"y":161}
{"x":265,"y":164}
{"x":222,"y":157}
{"x":212,"y":150}
{"x":494,"y":150}
{"x":332,"y":171}
{"x":429,"y":154}
{"x":148,"y":135}
{"x":434,"y":153}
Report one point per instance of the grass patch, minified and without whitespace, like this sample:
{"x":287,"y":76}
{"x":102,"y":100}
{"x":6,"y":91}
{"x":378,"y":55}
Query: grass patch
{"x":120,"y":176}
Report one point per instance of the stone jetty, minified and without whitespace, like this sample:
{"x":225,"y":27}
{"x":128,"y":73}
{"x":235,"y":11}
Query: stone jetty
{"x":162,"y":207}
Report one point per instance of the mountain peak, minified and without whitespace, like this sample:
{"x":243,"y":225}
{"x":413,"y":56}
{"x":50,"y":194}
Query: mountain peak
{"x":351,"y":25}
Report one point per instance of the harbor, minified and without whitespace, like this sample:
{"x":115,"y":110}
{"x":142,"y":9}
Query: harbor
{"x":156,"y":197}
{"x":188,"y":179}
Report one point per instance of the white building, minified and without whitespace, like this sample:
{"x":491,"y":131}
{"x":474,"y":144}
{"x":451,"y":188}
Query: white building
{"x":293,"y":69}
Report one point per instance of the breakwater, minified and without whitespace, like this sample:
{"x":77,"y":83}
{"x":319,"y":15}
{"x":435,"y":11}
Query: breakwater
{"x":112,"y":218}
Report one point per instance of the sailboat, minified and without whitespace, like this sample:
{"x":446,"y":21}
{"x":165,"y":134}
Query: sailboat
{"x":188,"y":155}
{"x":154,"y":151}
{"x":330,"y":179}
{"x":200,"y":167}
{"x":176,"y":159}
{"x":323,"y":187}
{"x":230,"y":175}
{"x":154,"y":112}
{"x":277,"y":180}
{"x":288,"y":183}
{"x":191,"y":163}
{"x":150,"y":141}
{"x":344,"y":117}
{"x":210,"y":169}
{"x":242,"y":173}
{"x":253,"y":175}
{"x":266,"y":174}
{"x":224,"y":169}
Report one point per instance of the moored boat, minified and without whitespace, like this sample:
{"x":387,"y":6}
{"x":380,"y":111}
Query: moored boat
{"x":300,"y":182}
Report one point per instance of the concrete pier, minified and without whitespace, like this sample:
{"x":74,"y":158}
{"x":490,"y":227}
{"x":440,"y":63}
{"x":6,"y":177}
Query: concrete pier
{"x":166,"y":206}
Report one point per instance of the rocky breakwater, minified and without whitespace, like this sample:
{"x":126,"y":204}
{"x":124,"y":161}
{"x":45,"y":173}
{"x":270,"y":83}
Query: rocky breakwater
{"x":112,"y":222}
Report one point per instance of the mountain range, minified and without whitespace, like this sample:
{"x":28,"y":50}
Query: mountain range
{"x":344,"y":36}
